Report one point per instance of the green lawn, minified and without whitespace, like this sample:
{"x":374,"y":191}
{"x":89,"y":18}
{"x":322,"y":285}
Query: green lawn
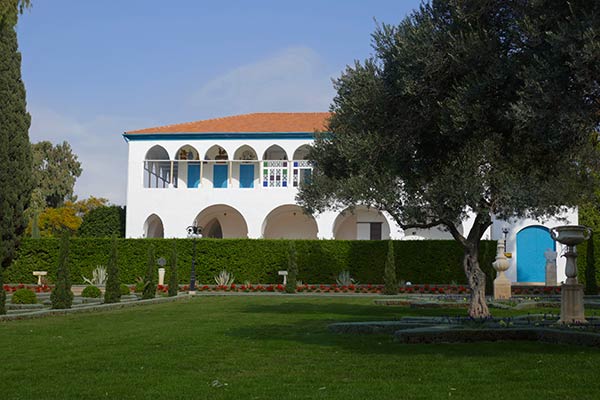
{"x":272,"y":348}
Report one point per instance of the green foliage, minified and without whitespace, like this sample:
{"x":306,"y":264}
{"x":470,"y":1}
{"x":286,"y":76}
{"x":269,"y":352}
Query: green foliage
{"x":15,"y":152}
{"x":103,"y":221}
{"x":149,"y":282}
{"x":173,"y":283}
{"x":24,"y":296}
{"x":588,"y":271}
{"x":389,"y":273}
{"x":55,"y":169}
{"x":112,"y":293}
{"x":292,"y":270}
{"x":471,"y":106}
{"x":62,"y":296}
{"x":2,"y":293}
{"x":124,"y":289}
{"x":91,"y":291}
{"x":319,"y":261}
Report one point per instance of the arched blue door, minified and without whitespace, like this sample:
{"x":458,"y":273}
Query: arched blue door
{"x":532,"y":242}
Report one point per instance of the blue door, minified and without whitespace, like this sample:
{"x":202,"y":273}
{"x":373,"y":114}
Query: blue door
{"x":247,"y":175}
{"x":532,"y":242}
{"x":193,"y":178}
{"x":220,"y":176}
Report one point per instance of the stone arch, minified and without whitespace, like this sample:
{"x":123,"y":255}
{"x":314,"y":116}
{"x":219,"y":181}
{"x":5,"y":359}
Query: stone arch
{"x":275,"y":152}
{"x":153,"y":227}
{"x":361,"y":223}
{"x":245,"y":153}
{"x":289,"y":222}
{"x":187,"y":152}
{"x":157,"y":168}
{"x":216,"y":152}
{"x":301,"y":152}
{"x":231,"y":222}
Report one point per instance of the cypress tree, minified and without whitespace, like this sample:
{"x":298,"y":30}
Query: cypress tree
{"x":591,"y":286}
{"x":15,"y":151}
{"x":173,"y":281}
{"x":389,"y":274}
{"x":149,"y":284}
{"x":292,"y":277}
{"x":112,"y":293}
{"x":62,"y":296}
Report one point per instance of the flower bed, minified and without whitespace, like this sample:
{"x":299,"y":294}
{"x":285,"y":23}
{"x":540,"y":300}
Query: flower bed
{"x":35,"y":288}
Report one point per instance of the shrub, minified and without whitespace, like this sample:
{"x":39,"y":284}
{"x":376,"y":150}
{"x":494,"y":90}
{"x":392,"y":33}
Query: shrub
{"x":173,"y":283}
{"x":292,"y":276}
{"x":24,"y":296}
{"x":139,"y":285}
{"x":389,"y":278}
{"x":149,"y":284}
{"x":103,"y":221}
{"x":112,"y":294}
{"x":124,"y":289}
{"x":91,"y":291}
{"x":62,"y":296}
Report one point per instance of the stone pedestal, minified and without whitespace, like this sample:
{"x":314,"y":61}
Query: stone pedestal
{"x":502,"y":288}
{"x":161,"y":276}
{"x":571,"y":304}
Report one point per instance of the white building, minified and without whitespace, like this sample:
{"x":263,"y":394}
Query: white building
{"x":238,"y":176}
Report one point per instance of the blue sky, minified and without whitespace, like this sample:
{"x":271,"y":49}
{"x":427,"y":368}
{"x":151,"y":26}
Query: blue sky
{"x":94,"y":69}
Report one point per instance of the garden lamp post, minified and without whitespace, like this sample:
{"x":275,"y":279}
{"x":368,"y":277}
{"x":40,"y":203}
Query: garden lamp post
{"x":194,"y":232}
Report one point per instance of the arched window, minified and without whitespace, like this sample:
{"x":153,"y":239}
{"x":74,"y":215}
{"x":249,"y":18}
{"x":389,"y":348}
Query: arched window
{"x":187,"y":171}
{"x":275,"y":167}
{"x":247,"y":166}
{"x":217,"y":158}
{"x":157,"y":168}
{"x":301,"y":166}
{"x":153,"y":227}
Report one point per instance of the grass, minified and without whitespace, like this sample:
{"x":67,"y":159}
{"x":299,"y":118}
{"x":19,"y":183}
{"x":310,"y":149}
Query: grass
{"x":272,"y":348}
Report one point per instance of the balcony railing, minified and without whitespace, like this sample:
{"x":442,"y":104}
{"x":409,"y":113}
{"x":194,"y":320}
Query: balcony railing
{"x":219,"y":174}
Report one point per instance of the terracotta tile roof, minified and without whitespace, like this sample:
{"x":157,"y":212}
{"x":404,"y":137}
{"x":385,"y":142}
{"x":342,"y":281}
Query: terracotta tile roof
{"x":245,"y":123}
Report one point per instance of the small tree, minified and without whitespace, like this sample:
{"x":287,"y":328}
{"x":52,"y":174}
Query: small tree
{"x":391,"y":283}
{"x":2,"y":293}
{"x":591,"y":286}
{"x":149,"y":284}
{"x":292,"y":277}
{"x":173,"y":281}
{"x":61,"y":296}
{"x":112,"y":292}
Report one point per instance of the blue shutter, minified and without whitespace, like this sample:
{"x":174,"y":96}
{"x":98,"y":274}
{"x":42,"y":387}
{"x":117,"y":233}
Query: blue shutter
{"x":193,"y":175}
{"x":220,"y":176}
{"x":246,"y":175}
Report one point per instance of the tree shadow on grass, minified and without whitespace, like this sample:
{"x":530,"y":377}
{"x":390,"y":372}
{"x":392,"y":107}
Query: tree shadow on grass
{"x":311,"y":331}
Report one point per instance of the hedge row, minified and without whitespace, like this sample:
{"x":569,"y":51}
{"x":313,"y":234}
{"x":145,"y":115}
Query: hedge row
{"x":582,"y":259}
{"x":257,"y":261}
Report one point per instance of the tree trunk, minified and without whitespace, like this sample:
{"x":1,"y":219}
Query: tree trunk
{"x":478,"y":307}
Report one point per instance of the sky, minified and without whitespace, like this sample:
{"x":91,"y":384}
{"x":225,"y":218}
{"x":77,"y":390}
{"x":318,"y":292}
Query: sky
{"x":95,"y":69}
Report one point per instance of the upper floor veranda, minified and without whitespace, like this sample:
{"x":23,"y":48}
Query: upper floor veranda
{"x":253,"y":151}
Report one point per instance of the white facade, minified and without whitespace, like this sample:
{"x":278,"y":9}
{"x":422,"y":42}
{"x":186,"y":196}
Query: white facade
{"x":179,"y":179}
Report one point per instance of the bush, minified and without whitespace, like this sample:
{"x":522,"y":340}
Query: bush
{"x":125,"y":290}
{"x":258,"y":260}
{"x":149,"y":284}
{"x":292,"y":277}
{"x":389,"y":273}
{"x":91,"y":291}
{"x":62,"y":296}
{"x":139,"y":285}
{"x":173,"y":283}
{"x":104,"y":222}
{"x":24,"y":296}
{"x":112,"y":293}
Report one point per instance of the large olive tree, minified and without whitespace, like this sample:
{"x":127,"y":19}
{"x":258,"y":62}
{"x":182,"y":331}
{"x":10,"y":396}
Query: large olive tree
{"x":467,"y":109}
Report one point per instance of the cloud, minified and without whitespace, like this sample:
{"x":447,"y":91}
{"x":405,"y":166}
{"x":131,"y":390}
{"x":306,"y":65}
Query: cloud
{"x":98,"y":144}
{"x":295,"y":79}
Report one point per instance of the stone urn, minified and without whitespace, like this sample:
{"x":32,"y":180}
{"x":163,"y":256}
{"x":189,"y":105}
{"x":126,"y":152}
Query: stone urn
{"x":571,"y":299}
{"x":502,"y":286}
{"x":571,"y":235}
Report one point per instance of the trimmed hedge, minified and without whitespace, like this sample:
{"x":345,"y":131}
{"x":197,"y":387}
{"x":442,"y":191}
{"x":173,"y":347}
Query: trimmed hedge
{"x":256,"y":260}
{"x":582,"y":259}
